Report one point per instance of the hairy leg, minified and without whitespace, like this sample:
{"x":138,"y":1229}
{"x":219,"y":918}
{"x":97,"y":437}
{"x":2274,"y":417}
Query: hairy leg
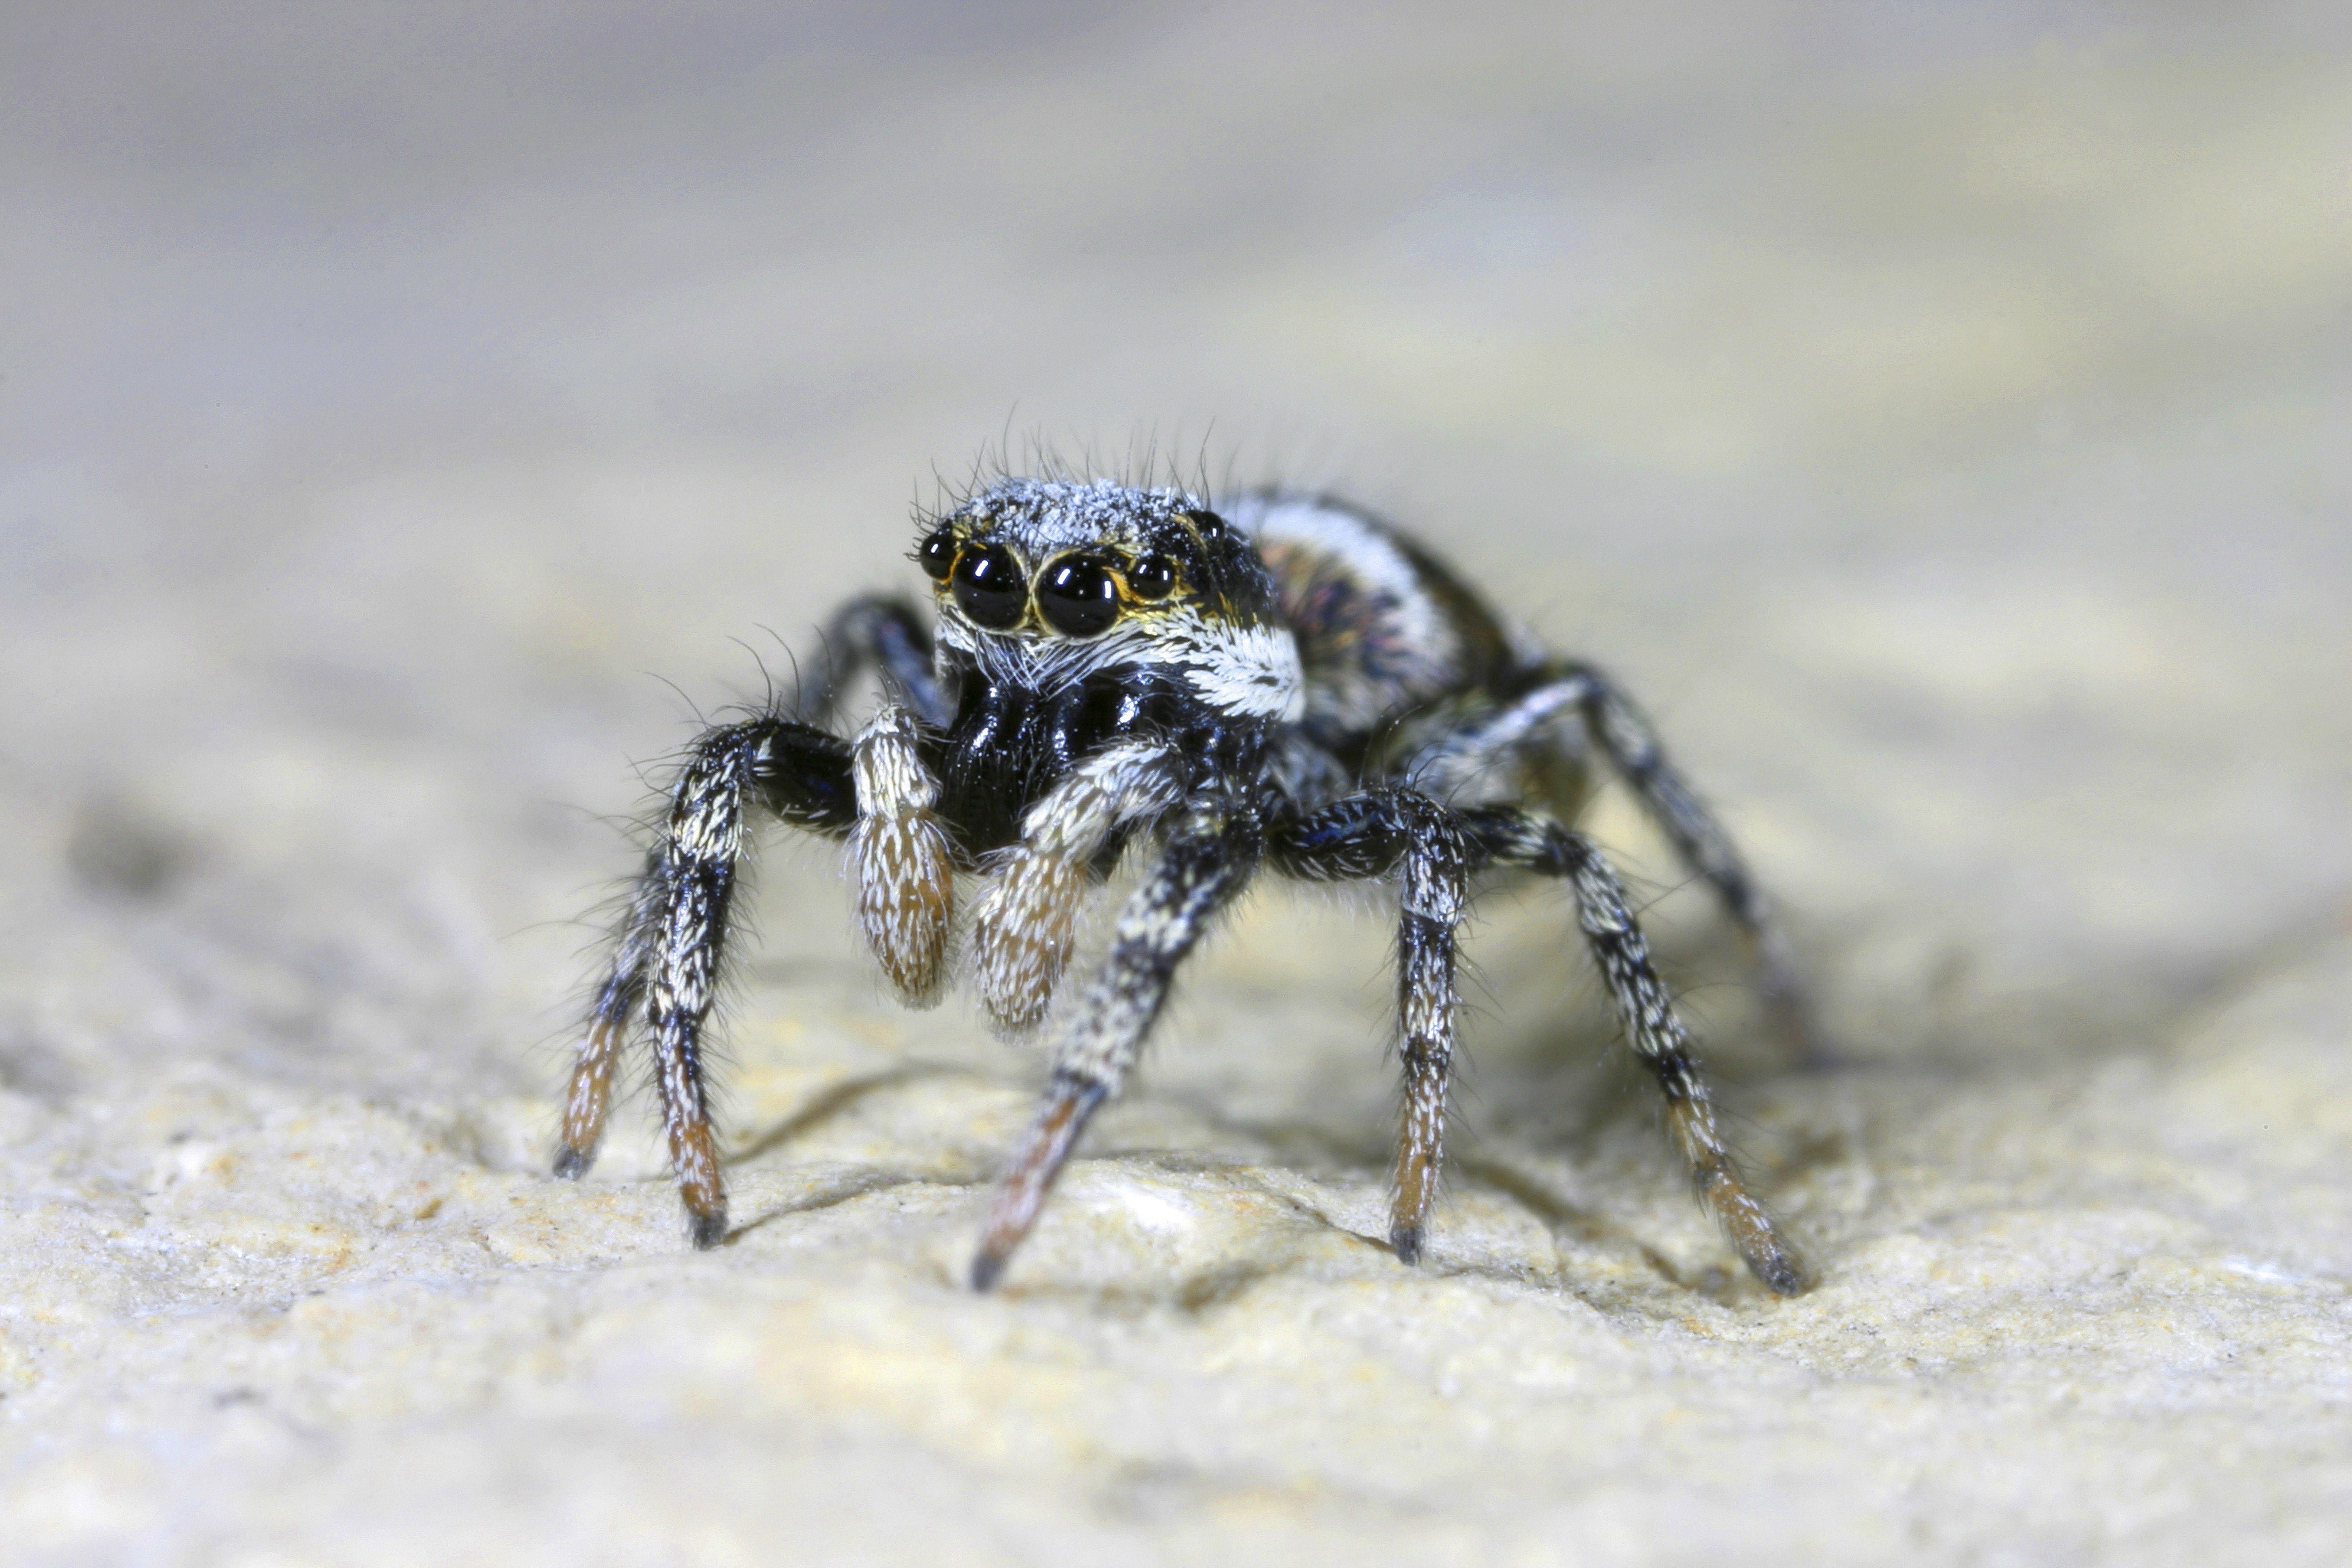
{"x":1631,"y":743}
{"x":1209,"y":859}
{"x":874,"y":631}
{"x":1527,"y":725}
{"x":669,"y":949}
{"x":1505,"y":836}
{"x":1021,"y":938}
{"x":1521,"y":732}
{"x":1372,"y":835}
{"x":903,"y":863}
{"x":590,"y":1097}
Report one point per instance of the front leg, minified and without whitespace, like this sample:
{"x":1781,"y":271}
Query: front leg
{"x":1028,"y":921}
{"x":881,"y":632}
{"x":1208,"y":859}
{"x":676,"y":932}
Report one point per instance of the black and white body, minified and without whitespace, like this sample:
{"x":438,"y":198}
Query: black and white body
{"x":1279,"y":683}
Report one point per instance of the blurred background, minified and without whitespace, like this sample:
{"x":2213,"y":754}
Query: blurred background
{"x":411,"y":415}
{"x":1935,"y":410}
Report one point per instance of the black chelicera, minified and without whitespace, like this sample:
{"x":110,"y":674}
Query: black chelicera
{"x":1284,"y":683}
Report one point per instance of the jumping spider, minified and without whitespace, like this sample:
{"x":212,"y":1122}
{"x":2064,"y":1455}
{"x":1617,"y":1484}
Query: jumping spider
{"x":1283,"y":682}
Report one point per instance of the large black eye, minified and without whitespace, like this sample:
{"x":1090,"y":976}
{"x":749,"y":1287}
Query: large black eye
{"x":1152,"y":577}
{"x":1077,"y":596}
{"x":1211,"y":526}
{"x":938,"y":554}
{"x":988,"y":587}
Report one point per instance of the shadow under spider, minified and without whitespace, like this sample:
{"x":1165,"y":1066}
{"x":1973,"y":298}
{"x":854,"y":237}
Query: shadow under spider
{"x":823,"y":1108}
{"x":1556,"y":1214}
{"x":864,"y":1184}
{"x":1194,"y":1295}
{"x":1561,"y":1217}
{"x":831,"y":1103}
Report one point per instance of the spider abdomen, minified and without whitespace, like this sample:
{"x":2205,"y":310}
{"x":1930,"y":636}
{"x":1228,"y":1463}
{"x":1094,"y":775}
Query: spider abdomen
{"x":1382,"y":629}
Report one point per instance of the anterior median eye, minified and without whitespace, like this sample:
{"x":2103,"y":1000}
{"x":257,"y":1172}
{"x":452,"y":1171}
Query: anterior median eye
{"x":989,"y":589}
{"x":1152,"y":576}
{"x":1077,"y":595}
{"x":938,"y":554}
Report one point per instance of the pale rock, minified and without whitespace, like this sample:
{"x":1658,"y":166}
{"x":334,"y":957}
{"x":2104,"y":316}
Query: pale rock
{"x":1938,"y":422}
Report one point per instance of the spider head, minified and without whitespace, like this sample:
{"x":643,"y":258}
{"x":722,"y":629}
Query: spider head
{"x":1045,"y":561}
{"x":1048,"y":580}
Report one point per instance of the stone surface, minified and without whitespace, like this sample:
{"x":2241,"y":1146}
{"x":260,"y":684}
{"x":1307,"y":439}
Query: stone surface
{"x":1935,"y":412}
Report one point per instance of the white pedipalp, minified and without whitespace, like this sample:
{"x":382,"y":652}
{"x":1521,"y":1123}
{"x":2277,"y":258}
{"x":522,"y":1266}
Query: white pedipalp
{"x":901,"y":859}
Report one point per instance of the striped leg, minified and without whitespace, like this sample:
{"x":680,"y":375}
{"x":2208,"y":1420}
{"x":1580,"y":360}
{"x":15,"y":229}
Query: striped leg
{"x":1209,"y":859}
{"x":1633,"y":750}
{"x":1370,"y":836}
{"x":1626,"y":734}
{"x":670,"y":948}
{"x":590,"y":1097}
{"x":1509,"y":837}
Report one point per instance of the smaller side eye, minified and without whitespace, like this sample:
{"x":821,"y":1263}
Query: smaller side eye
{"x":1211,"y":526}
{"x":1152,"y":577}
{"x":938,"y":554}
{"x":1077,"y":596}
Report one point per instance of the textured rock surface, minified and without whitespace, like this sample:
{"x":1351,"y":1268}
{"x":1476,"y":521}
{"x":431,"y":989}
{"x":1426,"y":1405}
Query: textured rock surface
{"x":1938,"y":417}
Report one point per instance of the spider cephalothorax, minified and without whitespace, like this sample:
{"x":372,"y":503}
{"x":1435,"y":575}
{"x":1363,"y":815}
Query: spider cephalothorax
{"x":1281,"y":682}
{"x":1044,"y":585}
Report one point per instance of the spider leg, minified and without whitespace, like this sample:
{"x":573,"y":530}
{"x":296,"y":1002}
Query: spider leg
{"x":1507,"y":836}
{"x":1023,"y":935}
{"x":883,"y":632}
{"x":670,"y":950}
{"x":590,"y":1096}
{"x":1209,"y":859}
{"x":1631,"y":743}
{"x":1626,"y":734}
{"x":905,"y":867}
{"x":1370,"y":835}
{"x":1522,"y":730}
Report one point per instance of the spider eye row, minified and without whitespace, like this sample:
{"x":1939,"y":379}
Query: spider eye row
{"x":1077,"y":594}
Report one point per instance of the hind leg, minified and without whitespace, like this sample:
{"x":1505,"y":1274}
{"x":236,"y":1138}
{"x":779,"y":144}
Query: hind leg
{"x":1436,"y":849}
{"x":1504,"y":836}
{"x":1527,"y":731}
{"x":1625,"y":733}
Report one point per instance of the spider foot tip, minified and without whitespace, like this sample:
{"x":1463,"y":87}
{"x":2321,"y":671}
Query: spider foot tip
{"x":1779,"y":1273}
{"x":986,"y":1265}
